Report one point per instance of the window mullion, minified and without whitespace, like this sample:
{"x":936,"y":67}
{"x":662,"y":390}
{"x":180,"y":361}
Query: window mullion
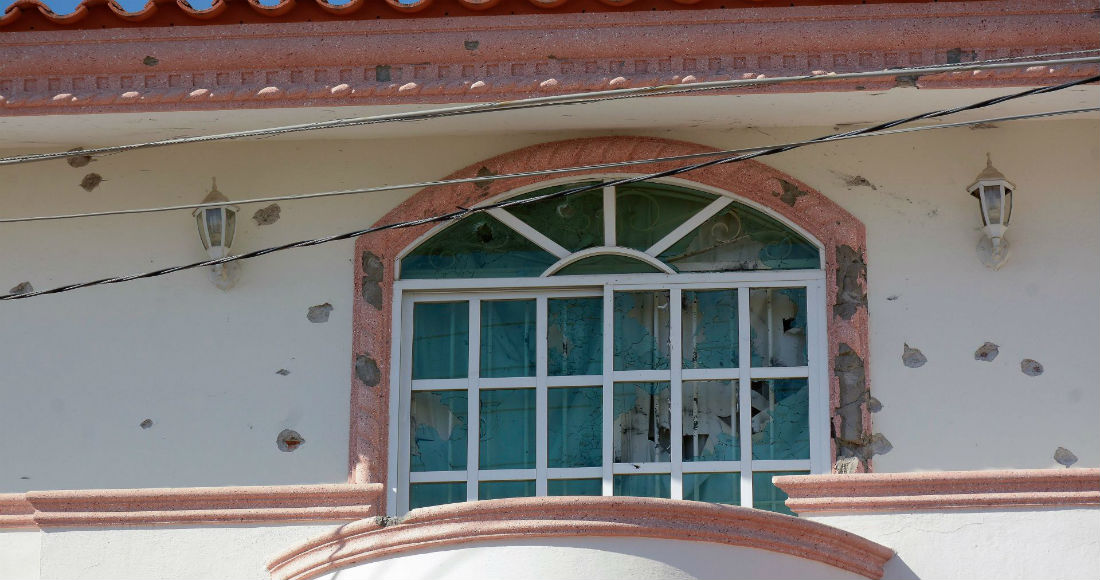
{"x":541,"y":407}
{"x":473,"y":413}
{"x":744,"y":393}
{"x":608,"y":391}
{"x":676,"y":422}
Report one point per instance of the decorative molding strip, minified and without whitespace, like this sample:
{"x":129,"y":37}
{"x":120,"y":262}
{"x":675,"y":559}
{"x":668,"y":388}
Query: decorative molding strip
{"x":525,"y":518}
{"x":189,"y":506}
{"x":945,"y":490}
{"x":479,"y":58}
{"x":15,"y":511}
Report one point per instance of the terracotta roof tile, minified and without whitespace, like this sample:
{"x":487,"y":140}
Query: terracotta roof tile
{"x":37,"y":15}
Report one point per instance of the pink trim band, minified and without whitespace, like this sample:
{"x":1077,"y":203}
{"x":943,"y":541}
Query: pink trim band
{"x":192,"y":506}
{"x":526,"y":518}
{"x":482,"y":58}
{"x":820,"y":494}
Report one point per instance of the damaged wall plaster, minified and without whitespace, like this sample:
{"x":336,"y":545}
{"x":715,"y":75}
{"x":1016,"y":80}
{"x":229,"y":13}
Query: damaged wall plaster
{"x":366,"y":369}
{"x":790,"y":193}
{"x":853,"y":446}
{"x":987,"y":352}
{"x":78,"y":160}
{"x":372,"y":280}
{"x":146,"y":423}
{"x":1064,"y":457}
{"x":91,"y":181}
{"x":319,"y":313}
{"x":21,"y":288}
{"x":289,"y":440}
{"x":1031,"y":368}
{"x":913,"y":357}
{"x":850,"y":270}
{"x":266,"y":216}
{"x":282,"y":372}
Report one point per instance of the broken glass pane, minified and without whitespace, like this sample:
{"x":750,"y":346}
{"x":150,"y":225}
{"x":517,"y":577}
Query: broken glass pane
{"x":504,"y":489}
{"x":574,"y":487}
{"x":508,"y":338}
{"x":507,"y":429}
{"x":780,"y":419}
{"x":438,"y":431}
{"x":778,"y":323}
{"x":575,"y":222}
{"x":642,"y":422}
{"x":766,"y":496}
{"x":607,"y":264}
{"x":647,"y":212}
{"x":649,"y":485}
{"x":574,"y":336}
{"x":710,"y":421}
{"x":441,"y":340}
{"x":575,"y":426}
{"x":476,"y":247}
{"x":641,"y":330}
{"x":709,"y":329}
{"x":713,"y":487}
{"x":429,"y":494}
{"x":741,"y":238}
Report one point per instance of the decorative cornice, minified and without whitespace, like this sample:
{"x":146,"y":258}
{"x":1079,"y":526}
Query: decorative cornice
{"x":479,"y":58}
{"x":526,"y":518}
{"x":947,"y":490}
{"x":189,"y":506}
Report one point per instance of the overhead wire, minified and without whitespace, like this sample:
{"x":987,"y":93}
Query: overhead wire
{"x":558,"y":100}
{"x":536,"y":173}
{"x":465,"y":212}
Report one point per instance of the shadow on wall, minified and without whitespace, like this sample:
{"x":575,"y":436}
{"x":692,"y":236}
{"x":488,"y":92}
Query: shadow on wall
{"x":897,"y":569}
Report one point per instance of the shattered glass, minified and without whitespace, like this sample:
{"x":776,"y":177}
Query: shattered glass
{"x":646,"y":213}
{"x":439,"y":427}
{"x":642,"y":422}
{"x":778,"y":324}
{"x":709,"y":329}
{"x":575,"y":222}
{"x":710,"y":421}
{"x":641,"y":330}
{"x":479,"y":246}
{"x":508,"y":338}
{"x":574,"y":336}
{"x":780,"y":419}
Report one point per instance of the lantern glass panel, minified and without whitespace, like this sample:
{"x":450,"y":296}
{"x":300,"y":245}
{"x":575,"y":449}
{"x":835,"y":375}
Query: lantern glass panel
{"x":202,"y":230}
{"x":214,"y":226}
{"x":992,"y":202}
{"x":1008,"y":205}
{"x":230,"y":226}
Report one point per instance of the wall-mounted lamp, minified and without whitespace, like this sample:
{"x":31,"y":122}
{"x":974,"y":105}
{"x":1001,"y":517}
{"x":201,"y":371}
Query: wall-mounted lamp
{"x":994,"y":194}
{"x":217,"y":226}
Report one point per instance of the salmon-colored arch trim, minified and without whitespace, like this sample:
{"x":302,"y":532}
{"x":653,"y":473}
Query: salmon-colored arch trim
{"x":941,"y":490}
{"x":526,"y":518}
{"x":841,"y":234}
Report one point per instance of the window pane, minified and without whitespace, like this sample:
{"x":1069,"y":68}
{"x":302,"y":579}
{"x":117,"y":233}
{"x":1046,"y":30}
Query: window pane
{"x":647,"y":212}
{"x":709,"y":329}
{"x":575,"y":427}
{"x":575,"y":222}
{"x":657,"y":485}
{"x":441,"y":340}
{"x":642,"y":422}
{"x":641,"y":330}
{"x":778,"y":322}
{"x":574,"y":487}
{"x":710,"y":421}
{"x":741,"y":238}
{"x":476,"y":247}
{"x":780,"y":419}
{"x":429,"y":494}
{"x":507,"y":429}
{"x":713,"y":487}
{"x":766,"y":496}
{"x":508,"y":338}
{"x":438,"y":431}
{"x":607,"y":264}
{"x":504,"y":489}
{"x":574,"y":336}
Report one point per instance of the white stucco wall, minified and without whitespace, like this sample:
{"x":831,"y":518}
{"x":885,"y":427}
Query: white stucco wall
{"x":82,"y":370}
{"x":20,"y":554}
{"x":1008,"y":544}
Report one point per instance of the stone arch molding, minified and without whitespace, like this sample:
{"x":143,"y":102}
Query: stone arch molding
{"x":840,"y":234}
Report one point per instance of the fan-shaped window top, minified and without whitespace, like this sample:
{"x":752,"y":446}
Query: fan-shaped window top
{"x":637,"y":228}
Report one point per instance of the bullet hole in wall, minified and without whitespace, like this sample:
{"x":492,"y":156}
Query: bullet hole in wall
{"x":319,"y":313}
{"x":79,"y":160}
{"x":289,"y":440}
{"x":850,"y":271}
{"x":1031,"y":368}
{"x":282,"y":372}
{"x":913,"y":357}
{"x":21,"y":288}
{"x":1064,"y":457}
{"x":150,"y":61}
{"x":146,"y":423}
{"x":987,"y":352}
{"x":367,"y":371}
{"x":266,"y":216}
{"x":91,"y":181}
{"x":790,"y":193}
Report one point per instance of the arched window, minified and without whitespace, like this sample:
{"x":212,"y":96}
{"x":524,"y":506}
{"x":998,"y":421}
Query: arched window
{"x":656,"y":339}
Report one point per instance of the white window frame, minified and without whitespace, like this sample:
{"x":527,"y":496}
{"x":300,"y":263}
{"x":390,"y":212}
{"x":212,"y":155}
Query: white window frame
{"x":546,"y":286}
